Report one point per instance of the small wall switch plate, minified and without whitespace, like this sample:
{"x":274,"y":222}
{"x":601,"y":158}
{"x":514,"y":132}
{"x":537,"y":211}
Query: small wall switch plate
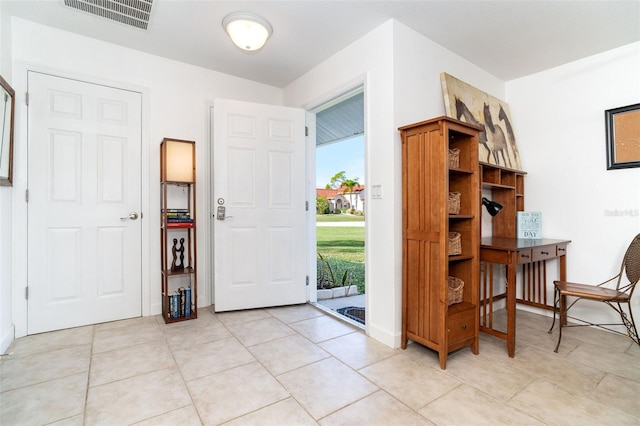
{"x":376,"y":191}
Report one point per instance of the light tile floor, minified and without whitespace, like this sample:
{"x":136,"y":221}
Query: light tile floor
{"x":297,"y":366}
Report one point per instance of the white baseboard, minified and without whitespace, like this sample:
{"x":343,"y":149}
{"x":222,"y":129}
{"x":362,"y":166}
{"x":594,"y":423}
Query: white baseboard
{"x":7,"y":339}
{"x":383,"y":336}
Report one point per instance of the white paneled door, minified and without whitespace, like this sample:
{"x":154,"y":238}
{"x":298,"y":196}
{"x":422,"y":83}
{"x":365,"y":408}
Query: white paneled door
{"x":259,"y":186}
{"x":84,"y":178}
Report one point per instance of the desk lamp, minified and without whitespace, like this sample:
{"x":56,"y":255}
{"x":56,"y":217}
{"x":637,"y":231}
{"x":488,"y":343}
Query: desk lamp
{"x":492,"y":207}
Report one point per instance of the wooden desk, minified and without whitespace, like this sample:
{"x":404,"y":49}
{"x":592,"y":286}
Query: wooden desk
{"x":512,"y":252}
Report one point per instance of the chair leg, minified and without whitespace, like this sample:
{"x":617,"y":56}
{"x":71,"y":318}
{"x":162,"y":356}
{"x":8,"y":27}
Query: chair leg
{"x":559,"y":337}
{"x":630,"y":324}
{"x":555,"y":309}
{"x":562,"y":311}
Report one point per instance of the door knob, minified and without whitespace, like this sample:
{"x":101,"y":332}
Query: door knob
{"x":132,"y":216}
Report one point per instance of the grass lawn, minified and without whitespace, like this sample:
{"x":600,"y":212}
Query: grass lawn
{"x":338,"y":218}
{"x":343,"y":247}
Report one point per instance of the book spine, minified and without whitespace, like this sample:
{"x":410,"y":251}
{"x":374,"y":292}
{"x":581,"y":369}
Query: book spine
{"x":174,"y":298}
{"x":181,"y":296}
{"x":187,"y":302}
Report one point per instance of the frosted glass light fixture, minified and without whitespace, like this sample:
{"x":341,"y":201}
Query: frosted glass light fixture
{"x":247,"y":31}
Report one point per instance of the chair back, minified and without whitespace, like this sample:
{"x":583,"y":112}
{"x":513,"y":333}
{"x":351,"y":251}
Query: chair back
{"x":631,"y":266}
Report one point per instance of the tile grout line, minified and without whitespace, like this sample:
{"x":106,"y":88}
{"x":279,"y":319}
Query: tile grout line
{"x":184,"y":382}
{"x":86,"y":392}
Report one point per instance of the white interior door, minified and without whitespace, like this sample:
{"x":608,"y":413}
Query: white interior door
{"x":84,"y":178}
{"x":259,"y":181}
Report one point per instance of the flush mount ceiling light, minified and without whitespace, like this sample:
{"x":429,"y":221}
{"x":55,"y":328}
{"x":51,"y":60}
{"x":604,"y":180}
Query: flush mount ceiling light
{"x":247,"y":31}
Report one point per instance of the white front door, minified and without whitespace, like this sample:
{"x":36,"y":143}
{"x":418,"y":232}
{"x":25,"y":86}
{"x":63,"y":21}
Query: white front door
{"x":259,"y":182}
{"x":84,"y":178}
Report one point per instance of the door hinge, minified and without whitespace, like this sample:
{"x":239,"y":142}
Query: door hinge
{"x":307,"y":280}
{"x":26,"y":98}
{"x":26,"y":195}
{"x":306,"y":130}
{"x":306,"y":206}
{"x":26,"y":292}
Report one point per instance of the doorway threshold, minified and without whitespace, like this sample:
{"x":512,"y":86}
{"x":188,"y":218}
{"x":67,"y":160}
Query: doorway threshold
{"x":345,"y":302}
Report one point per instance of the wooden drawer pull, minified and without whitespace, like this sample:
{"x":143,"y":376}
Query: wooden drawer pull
{"x":545,"y":253}
{"x":526,"y":256}
{"x":562,"y":249}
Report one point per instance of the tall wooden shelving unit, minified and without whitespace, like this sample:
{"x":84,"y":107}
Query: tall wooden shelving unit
{"x":427,"y":180}
{"x":178,"y":230}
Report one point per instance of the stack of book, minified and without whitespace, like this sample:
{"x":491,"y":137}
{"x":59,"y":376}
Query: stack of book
{"x":178,"y":218}
{"x":180,"y":303}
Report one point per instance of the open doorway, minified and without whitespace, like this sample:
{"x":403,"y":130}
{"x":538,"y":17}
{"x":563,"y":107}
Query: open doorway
{"x":340,"y":206}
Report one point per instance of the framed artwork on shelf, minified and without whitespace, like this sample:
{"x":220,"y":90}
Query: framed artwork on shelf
{"x":7,"y":106}
{"x":497,"y":143}
{"x":623,"y":137}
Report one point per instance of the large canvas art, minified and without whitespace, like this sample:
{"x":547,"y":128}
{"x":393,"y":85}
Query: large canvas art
{"x":497,"y":144}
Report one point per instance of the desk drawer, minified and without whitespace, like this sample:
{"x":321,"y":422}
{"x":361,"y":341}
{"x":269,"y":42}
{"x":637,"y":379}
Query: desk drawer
{"x":524,"y":256}
{"x":543,"y":253}
{"x":462,"y":325}
{"x":561,"y":249}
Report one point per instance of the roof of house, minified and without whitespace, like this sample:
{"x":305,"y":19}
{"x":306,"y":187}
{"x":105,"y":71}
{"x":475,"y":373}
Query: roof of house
{"x":332,"y":193}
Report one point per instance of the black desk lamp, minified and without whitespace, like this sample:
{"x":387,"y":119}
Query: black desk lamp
{"x":492,"y":207}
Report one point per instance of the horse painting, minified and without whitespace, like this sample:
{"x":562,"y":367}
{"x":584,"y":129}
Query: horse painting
{"x":463,"y":112}
{"x":498,"y":138}
{"x":502,"y":116}
{"x":497,"y":143}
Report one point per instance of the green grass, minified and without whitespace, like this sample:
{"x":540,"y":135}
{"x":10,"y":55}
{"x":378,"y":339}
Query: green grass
{"x":338,"y":218}
{"x":341,"y":242}
{"x":343,"y":247}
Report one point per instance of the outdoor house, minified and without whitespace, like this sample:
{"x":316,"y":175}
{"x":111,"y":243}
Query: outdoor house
{"x":340,"y":199}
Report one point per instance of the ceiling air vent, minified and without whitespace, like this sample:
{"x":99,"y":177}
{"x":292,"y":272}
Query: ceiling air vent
{"x":131,"y":12}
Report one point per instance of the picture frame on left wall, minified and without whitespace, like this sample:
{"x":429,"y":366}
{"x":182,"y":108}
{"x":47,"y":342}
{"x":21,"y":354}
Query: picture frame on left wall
{"x":7,"y":108}
{"x":623,"y":137}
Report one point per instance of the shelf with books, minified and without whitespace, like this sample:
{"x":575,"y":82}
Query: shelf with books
{"x":178,"y":230}
{"x":179,"y":225}
{"x":178,"y":304}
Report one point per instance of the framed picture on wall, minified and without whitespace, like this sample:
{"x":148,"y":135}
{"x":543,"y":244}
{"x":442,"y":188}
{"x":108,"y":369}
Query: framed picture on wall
{"x":7,"y":106}
{"x":623,"y":137}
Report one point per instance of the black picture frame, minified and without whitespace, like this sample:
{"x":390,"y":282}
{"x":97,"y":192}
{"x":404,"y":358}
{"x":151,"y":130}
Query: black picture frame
{"x":623,"y":137}
{"x":7,"y":108}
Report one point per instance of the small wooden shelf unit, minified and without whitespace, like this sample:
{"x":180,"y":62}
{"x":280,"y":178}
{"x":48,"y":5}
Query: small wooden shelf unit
{"x":178,"y":224}
{"x":507,"y":188}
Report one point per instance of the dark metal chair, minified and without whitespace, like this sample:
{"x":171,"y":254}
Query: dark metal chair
{"x":613,"y":297}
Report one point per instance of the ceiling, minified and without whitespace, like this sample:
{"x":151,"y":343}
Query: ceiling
{"x":508,"y":39}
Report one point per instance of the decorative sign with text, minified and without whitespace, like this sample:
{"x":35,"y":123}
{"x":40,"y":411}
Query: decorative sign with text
{"x":529,"y":225}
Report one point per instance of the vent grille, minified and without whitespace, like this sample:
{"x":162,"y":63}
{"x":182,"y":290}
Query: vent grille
{"x":130,"y":12}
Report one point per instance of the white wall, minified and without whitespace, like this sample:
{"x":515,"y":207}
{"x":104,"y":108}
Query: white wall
{"x":6,"y":324}
{"x":6,"y":194}
{"x":176,"y":100}
{"x":559,"y":121}
{"x":401,"y":70}
{"x":368,"y":60}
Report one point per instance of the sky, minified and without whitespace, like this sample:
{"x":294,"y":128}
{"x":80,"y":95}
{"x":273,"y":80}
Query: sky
{"x":347,"y":156}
